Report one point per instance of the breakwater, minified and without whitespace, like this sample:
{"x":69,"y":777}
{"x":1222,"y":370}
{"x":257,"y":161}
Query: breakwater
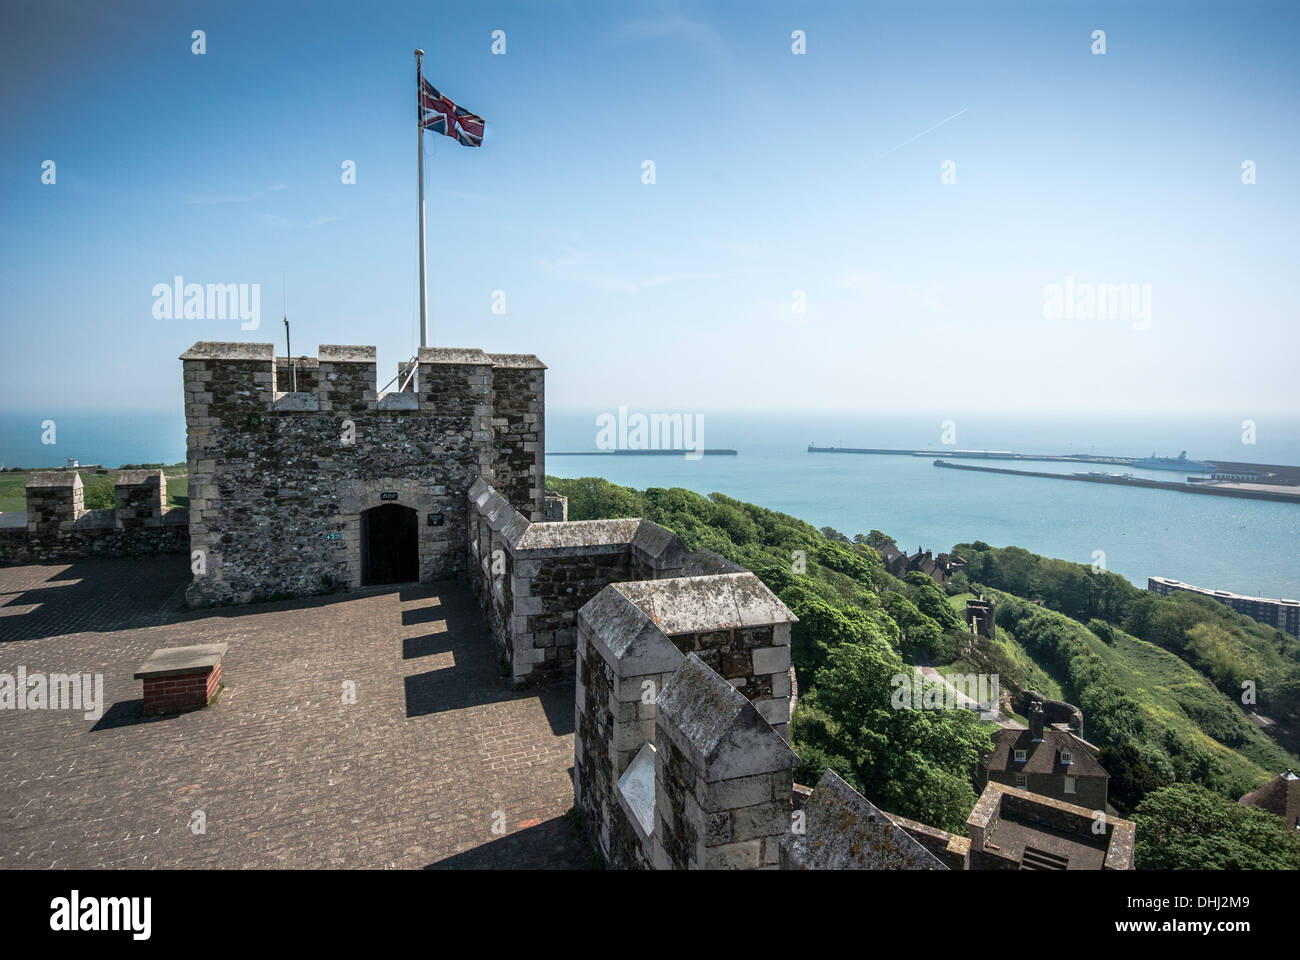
{"x":718,"y":452}
{"x":1205,"y":489}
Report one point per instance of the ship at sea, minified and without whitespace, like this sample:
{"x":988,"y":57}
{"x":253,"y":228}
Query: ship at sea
{"x":1174,"y":463}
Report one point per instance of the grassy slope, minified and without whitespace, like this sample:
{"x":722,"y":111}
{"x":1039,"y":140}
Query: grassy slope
{"x":1170,"y":692}
{"x":1028,"y":674}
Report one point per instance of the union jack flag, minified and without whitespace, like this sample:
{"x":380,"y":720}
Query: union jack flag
{"x":439,"y":114}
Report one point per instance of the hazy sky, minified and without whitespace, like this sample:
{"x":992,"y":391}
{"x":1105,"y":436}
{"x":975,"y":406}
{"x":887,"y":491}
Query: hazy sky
{"x":777,"y":176}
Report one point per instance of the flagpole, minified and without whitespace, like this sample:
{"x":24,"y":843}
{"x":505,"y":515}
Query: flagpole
{"x":419,"y":132}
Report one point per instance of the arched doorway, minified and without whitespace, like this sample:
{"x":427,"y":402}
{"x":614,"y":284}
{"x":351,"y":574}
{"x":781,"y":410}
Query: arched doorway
{"x":390,"y":551}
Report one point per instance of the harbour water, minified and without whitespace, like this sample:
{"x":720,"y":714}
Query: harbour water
{"x":1239,"y":545}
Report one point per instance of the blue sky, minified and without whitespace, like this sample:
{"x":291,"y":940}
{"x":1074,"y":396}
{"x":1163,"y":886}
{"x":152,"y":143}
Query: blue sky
{"x":776,"y":174}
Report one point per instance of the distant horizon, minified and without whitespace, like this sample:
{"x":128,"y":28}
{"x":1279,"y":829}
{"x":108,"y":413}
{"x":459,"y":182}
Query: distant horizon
{"x":1203,"y":436}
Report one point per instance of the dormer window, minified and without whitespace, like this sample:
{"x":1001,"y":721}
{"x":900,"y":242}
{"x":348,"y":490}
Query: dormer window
{"x":1067,"y":756}
{"x":1021,"y":756}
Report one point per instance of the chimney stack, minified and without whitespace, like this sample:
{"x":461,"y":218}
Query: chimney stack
{"x":1036,"y":721}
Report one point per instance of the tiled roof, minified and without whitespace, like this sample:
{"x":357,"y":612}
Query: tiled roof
{"x":1044,"y":757}
{"x":1281,"y":796}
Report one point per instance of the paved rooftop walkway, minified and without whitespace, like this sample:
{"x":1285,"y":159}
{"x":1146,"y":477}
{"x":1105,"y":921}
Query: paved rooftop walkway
{"x":437,"y":763}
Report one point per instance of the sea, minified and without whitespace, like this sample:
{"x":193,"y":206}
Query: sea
{"x":1245,"y":546}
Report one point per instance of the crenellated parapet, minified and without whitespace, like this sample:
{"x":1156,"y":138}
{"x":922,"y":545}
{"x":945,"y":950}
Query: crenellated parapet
{"x":59,"y":528}
{"x":633,"y":637}
{"x":723,"y":778}
{"x":533,"y":577}
{"x":309,"y":466}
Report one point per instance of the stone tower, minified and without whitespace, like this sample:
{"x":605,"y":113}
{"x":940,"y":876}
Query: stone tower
{"x":338,"y":485}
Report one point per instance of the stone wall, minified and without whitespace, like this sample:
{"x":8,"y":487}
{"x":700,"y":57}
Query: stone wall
{"x":1054,"y":711}
{"x":623,"y":662}
{"x":842,"y":830}
{"x":60,"y":530}
{"x":723,"y":777}
{"x":518,"y":467}
{"x":307,"y":370}
{"x":735,"y":625}
{"x":139,"y":498}
{"x":532,"y":578}
{"x":279,"y":480}
{"x":55,"y":501}
{"x":632,"y":639}
{"x":555,"y":508}
{"x":953,"y":851}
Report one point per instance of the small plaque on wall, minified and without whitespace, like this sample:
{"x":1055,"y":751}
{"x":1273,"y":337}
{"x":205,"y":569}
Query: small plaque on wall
{"x":333,"y":535}
{"x":435,"y":520}
{"x":388,"y":496}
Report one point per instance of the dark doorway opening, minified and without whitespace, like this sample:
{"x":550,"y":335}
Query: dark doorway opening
{"x":390,"y":551}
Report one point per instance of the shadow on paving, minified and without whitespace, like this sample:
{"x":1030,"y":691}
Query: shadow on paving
{"x":99,"y":596}
{"x":127,"y":594}
{"x":552,"y":845}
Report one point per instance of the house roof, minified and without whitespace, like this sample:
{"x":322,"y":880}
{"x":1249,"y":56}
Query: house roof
{"x":1044,"y":757}
{"x":1281,"y":796}
{"x":890,"y":552}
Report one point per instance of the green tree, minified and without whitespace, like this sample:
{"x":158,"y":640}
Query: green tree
{"x":916,"y":763}
{"x":1186,"y":827}
{"x":1131,"y":779}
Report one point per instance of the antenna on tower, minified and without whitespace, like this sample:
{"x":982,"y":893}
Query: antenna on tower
{"x":288,"y":349}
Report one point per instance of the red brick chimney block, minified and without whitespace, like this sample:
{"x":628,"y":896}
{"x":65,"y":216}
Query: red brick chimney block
{"x":177,"y":679}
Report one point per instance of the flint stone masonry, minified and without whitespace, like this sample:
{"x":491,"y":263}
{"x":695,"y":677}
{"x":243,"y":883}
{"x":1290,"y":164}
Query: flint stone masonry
{"x":723,"y":777}
{"x":845,"y":831}
{"x":280,"y":479}
{"x":55,"y":501}
{"x":623,"y":661}
{"x":139,"y":498}
{"x":532,"y":578}
{"x":59,"y":529}
{"x":518,"y":418}
{"x":177,"y":679}
{"x":735,"y":625}
{"x":632,"y":638}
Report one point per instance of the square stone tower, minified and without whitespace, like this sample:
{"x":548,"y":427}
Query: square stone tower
{"x":338,"y":485}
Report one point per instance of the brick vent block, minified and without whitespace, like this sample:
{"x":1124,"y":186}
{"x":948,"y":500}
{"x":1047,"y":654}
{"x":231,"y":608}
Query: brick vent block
{"x":178,"y":679}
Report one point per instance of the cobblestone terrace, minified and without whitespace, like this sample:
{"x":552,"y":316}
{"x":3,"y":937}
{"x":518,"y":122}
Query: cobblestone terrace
{"x":287,"y":774}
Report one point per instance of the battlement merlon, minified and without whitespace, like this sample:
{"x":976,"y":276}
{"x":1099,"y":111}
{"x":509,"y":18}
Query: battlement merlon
{"x":221,"y":350}
{"x":56,"y":501}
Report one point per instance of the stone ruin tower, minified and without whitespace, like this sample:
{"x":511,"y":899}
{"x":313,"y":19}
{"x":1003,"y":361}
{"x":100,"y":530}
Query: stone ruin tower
{"x":334,"y":484}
